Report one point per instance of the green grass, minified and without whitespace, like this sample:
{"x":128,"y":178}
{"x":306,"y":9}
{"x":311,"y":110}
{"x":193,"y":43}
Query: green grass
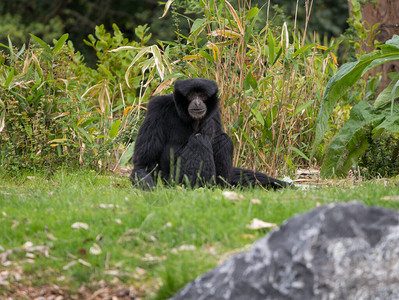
{"x":144,"y":230}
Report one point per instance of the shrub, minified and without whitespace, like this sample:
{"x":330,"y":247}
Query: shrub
{"x":378,"y":115}
{"x":55,"y":110}
{"x":113,"y":105}
{"x":381,"y":158}
{"x":40,"y":106}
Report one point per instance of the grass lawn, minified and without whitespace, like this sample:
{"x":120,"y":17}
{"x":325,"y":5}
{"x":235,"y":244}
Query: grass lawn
{"x":84,"y":229}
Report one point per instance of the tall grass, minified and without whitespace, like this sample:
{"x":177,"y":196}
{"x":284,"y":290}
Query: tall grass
{"x":271,"y":80}
{"x":271,"y":85}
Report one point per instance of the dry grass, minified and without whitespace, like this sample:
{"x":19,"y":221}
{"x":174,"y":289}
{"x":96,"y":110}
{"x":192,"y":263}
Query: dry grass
{"x":271,"y":81}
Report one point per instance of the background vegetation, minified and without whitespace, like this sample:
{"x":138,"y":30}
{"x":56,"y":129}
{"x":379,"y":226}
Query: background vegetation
{"x":50,"y":19}
{"x":74,"y":83}
{"x":59,"y":107}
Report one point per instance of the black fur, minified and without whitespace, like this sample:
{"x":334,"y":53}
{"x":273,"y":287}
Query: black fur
{"x":171,"y":144}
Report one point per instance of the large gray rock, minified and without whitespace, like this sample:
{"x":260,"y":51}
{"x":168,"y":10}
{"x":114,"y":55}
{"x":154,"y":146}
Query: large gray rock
{"x":338,"y":251}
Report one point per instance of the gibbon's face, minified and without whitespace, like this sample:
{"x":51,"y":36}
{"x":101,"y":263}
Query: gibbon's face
{"x":196,"y":105}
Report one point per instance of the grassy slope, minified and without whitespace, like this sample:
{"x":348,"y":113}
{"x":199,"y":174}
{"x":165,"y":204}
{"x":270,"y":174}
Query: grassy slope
{"x":140,"y":236}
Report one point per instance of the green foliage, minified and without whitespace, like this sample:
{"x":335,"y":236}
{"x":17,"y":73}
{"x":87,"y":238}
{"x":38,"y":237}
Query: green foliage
{"x":328,"y":17}
{"x":113,"y":105}
{"x":55,"y":110}
{"x":351,"y":141}
{"x":360,"y":33}
{"x":381,"y":158}
{"x":273,"y":77}
{"x":38,"y":109}
{"x":15,"y":27}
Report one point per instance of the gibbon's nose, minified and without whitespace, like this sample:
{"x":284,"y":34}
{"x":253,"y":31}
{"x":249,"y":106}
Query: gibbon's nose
{"x":197,"y":103}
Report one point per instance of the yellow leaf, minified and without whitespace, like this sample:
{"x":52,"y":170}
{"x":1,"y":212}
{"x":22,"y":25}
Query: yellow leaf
{"x":215,"y":50}
{"x":126,"y":111}
{"x":236,"y":18}
{"x":192,"y":57}
{"x":225,"y":33}
{"x":57,"y":141}
{"x":334,"y":58}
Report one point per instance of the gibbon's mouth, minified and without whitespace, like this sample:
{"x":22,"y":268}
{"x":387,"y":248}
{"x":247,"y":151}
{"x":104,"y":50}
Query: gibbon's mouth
{"x":197,"y":113}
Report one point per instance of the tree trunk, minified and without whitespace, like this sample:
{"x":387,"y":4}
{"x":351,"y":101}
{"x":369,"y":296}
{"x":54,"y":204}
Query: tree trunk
{"x":386,"y":13}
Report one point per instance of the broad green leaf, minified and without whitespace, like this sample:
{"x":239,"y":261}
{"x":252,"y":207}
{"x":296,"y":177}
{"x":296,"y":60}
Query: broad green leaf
{"x":198,"y":23}
{"x":394,"y":95}
{"x":394,"y":41}
{"x":386,"y":96}
{"x":351,"y":141}
{"x":85,"y":134}
{"x":337,"y":86}
{"x":206,"y":55}
{"x":355,"y":150}
{"x":253,"y":12}
{"x":60,"y":43}
{"x":390,"y":124}
{"x":271,"y":44}
{"x":42,"y":43}
{"x":303,"y":49}
{"x":303,"y":106}
{"x":114,"y":129}
{"x":127,"y":155}
{"x":280,"y":50}
{"x":247,"y":138}
{"x":299,"y":152}
{"x":258,"y":116}
{"x":382,"y":60}
{"x":9,"y":78}
{"x":21,"y":50}
{"x":10,"y":48}
{"x":250,"y":81}
{"x":107,"y":73}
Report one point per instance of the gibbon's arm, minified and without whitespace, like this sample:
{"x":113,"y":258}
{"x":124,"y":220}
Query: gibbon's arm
{"x":149,"y":145}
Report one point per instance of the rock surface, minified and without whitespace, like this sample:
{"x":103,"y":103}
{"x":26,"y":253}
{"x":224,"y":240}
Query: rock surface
{"x":338,"y":251}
